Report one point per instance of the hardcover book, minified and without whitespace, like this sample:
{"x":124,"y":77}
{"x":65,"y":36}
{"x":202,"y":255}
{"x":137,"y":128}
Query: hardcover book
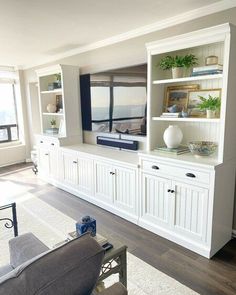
{"x":182,"y":149}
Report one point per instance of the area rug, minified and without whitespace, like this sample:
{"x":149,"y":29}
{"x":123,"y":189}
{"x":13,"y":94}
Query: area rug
{"x":51,"y":226}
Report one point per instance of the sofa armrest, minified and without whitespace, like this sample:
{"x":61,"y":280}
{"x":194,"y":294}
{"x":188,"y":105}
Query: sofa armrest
{"x":116,"y":289}
{"x":24,"y":248}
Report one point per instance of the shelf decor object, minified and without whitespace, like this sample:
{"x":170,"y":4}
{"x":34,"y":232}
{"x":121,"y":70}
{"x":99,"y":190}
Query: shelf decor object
{"x":178,"y":96}
{"x":51,"y":108}
{"x":173,"y":136}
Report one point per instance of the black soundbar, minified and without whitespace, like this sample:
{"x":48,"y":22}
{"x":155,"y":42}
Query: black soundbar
{"x":118,"y":143}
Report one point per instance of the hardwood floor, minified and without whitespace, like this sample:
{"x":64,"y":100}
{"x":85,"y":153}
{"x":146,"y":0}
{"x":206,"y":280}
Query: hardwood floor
{"x":216,"y":276}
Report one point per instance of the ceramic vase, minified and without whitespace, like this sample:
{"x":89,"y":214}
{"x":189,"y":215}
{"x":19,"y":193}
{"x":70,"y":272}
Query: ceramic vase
{"x":177,"y":73}
{"x":173,"y":136}
{"x":51,"y":108}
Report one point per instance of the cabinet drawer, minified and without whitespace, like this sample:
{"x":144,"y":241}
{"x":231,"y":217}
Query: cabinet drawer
{"x":184,"y":173}
{"x":47,"y":142}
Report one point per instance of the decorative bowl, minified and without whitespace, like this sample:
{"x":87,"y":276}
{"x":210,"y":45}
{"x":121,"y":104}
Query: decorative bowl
{"x":202,"y":148}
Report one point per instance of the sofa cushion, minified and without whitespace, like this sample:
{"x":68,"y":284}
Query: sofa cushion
{"x":5,"y":269}
{"x":24,"y":248}
{"x":72,"y":268}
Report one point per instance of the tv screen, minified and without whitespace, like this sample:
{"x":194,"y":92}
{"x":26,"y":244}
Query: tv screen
{"x":115,"y":100}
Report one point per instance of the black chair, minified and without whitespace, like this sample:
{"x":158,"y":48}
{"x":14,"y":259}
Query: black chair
{"x":10,"y":222}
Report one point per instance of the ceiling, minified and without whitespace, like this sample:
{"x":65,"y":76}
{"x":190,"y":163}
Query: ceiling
{"x":36,"y":31}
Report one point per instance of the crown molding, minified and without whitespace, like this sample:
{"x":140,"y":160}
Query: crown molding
{"x":157,"y":26}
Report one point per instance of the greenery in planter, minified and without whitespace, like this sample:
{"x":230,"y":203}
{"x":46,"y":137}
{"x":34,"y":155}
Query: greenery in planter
{"x":53,"y":122}
{"x":58,"y":77}
{"x":210,"y":103}
{"x":169,"y":62}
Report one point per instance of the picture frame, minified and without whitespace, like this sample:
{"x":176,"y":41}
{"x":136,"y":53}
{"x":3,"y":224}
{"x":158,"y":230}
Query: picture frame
{"x":178,"y":95}
{"x":194,"y":100}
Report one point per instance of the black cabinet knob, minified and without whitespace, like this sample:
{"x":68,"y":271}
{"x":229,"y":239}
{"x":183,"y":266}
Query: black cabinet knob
{"x":190,"y":175}
{"x":52,"y":143}
{"x":46,"y":154}
{"x":172,"y":191}
{"x":168,"y":190}
{"x":41,"y":141}
{"x":75,"y":162}
{"x":155,"y":167}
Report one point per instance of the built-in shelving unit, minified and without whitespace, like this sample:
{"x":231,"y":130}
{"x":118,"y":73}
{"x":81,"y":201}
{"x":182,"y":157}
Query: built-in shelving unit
{"x":66,"y":99}
{"x":194,"y":128}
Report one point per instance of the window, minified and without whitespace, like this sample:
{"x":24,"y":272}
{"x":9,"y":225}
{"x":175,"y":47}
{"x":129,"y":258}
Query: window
{"x":118,"y":103}
{"x":8,"y":113}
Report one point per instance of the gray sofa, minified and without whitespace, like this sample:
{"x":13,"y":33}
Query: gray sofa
{"x":71,"y":269}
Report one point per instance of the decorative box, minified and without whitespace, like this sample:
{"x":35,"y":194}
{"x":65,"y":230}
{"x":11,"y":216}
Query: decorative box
{"x":87,"y":224}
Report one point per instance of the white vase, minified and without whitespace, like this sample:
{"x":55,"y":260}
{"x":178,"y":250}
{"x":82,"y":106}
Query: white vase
{"x":51,"y":108}
{"x":211,"y":114}
{"x":173,"y":136}
{"x":177,"y":73}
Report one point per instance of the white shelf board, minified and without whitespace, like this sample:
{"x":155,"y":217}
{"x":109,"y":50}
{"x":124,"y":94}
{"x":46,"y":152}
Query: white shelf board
{"x":188,"y":79}
{"x":58,"y":90}
{"x":53,"y":114}
{"x":202,"y":120}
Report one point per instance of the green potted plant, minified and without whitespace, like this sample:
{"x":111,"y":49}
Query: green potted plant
{"x":177,"y":64}
{"x":53,"y":123}
{"x":58,"y":81}
{"x":211,"y":105}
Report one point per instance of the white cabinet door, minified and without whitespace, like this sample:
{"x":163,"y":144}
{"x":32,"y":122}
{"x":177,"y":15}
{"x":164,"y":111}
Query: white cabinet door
{"x":85,"y":175}
{"x":125,"y":190}
{"x":69,"y":169}
{"x":155,"y":206}
{"x":189,"y":211}
{"x":44,"y":162}
{"x":104,"y":187}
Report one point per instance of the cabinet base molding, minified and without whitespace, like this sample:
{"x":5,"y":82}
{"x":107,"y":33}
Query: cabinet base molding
{"x":195,"y":247}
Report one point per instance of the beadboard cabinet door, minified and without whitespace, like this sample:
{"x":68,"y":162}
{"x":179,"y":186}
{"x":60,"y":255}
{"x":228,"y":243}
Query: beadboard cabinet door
{"x":104,"y":189}
{"x":69,"y":169}
{"x":125,"y":189}
{"x":189,"y":211}
{"x":85,"y":175}
{"x":47,"y":162}
{"x":155,"y":200}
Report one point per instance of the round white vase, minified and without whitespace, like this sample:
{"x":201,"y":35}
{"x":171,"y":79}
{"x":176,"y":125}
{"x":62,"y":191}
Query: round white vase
{"x":51,"y":108}
{"x":173,"y":136}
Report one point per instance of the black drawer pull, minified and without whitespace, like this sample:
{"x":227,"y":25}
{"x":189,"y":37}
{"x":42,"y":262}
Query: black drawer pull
{"x":190,"y":175}
{"x":112,"y":173}
{"x":46,"y":154}
{"x":75,"y":162}
{"x":155,"y":167}
{"x":172,"y":191}
{"x":169,"y":190}
{"x":52,"y":144}
{"x":41,"y":141}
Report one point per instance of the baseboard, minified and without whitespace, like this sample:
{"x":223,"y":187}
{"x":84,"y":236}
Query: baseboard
{"x":234,"y":233}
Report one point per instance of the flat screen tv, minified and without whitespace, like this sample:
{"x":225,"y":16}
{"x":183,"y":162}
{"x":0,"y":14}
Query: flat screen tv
{"x":115,"y":100}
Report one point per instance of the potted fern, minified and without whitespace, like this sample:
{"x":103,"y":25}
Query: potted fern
{"x":177,"y":64}
{"x":211,"y":105}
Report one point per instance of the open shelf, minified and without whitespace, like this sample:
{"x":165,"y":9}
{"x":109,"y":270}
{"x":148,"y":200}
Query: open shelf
{"x":188,"y":79}
{"x":200,"y":120}
{"x":58,"y":90}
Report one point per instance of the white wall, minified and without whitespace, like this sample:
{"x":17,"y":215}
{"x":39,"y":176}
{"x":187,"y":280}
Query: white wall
{"x":132,"y":52}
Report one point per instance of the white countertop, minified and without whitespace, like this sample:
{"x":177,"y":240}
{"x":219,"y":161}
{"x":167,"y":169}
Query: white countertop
{"x":128,"y":157}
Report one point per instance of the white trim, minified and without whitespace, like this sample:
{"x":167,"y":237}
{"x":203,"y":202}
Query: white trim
{"x":169,"y":22}
{"x":234,"y":233}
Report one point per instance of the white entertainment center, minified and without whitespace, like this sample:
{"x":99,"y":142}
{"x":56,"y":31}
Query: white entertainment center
{"x":185,"y":199}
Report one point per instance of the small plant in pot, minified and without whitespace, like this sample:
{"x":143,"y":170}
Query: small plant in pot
{"x":211,"y":105}
{"x":57,"y":84}
{"x":177,"y":64}
{"x":53,"y":123}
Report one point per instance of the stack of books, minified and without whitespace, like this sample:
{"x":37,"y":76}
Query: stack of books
{"x":182,"y":149}
{"x":207,"y":70}
{"x":170,"y":115}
